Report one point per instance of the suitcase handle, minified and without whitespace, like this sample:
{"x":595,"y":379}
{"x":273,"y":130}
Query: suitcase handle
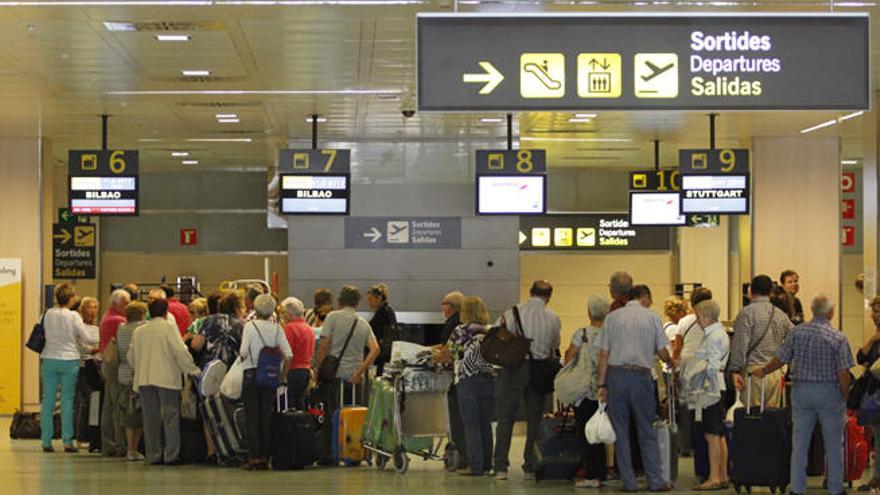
{"x":279,"y":393}
{"x":749,"y":393}
{"x":671,"y":399}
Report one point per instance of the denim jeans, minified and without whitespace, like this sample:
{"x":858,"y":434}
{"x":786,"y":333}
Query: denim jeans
{"x":56,"y":372}
{"x":476,"y":400}
{"x":821,"y":402}
{"x":631,"y":397}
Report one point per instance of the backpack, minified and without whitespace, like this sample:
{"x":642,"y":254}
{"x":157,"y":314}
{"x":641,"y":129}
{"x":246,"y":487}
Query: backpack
{"x":269,"y":363}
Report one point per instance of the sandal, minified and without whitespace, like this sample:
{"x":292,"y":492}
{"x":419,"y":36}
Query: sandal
{"x":709,"y":487}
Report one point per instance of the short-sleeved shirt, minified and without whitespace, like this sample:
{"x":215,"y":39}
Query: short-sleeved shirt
{"x":336,"y":329}
{"x":258,"y":334}
{"x":123,"y":340}
{"x":301,"y":338}
{"x":223,"y":338}
{"x":540,"y":324}
{"x":816,"y":352}
{"x":691,"y":335}
{"x":632,"y":335}
{"x":109,"y":324}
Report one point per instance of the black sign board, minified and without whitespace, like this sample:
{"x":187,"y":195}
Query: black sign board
{"x":714,"y":161}
{"x":723,"y":194}
{"x":309,"y":161}
{"x":103,"y":182}
{"x":73,"y":250}
{"x":590,"y":232}
{"x":403,"y":233}
{"x":318,"y":194}
{"x":568,"y":62}
{"x":511,"y":162}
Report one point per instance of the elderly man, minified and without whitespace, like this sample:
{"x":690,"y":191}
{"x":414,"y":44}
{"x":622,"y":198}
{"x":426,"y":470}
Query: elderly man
{"x":631,"y":337}
{"x":821,"y":358}
{"x":619,"y":287}
{"x":758,"y":332}
{"x":540,"y":324}
{"x":112,"y":425}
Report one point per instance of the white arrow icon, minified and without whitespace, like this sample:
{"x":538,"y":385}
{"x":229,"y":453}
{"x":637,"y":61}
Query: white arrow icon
{"x":491,"y":78}
{"x":374,"y":234}
{"x":522,"y":237}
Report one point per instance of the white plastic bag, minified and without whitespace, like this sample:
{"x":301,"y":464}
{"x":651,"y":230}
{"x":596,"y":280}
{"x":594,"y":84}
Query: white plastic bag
{"x":232,"y":382}
{"x":732,"y":411}
{"x":599,"y":429}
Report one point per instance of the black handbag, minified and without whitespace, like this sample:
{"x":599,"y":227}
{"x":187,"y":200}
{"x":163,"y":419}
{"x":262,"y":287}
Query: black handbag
{"x":858,"y":390}
{"x":330,"y":364}
{"x":542,"y":372}
{"x":37,"y":340}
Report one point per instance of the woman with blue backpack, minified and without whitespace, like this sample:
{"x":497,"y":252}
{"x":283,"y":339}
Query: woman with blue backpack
{"x":265,"y":355}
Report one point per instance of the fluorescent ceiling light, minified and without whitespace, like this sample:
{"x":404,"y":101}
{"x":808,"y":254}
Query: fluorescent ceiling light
{"x":195,"y":73}
{"x":226,"y":116}
{"x":228,"y":121}
{"x":850,"y":116}
{"x":149,"y":140}
{"x":172,"y":37}
{"x":586,"y":115}
{"x":819,"y":126}
{"x":854,"y":4}
{"x":491,"y":120}
{"x":219,"y":140}
{"x":319,"y":120}
{"x":245,"y":92}
{"x":849,"y":162}
{"x":202,"y":3}
{"x":577,"y":140}
{"x":180,"y":154}
{"x":576,"y":120}
{"x":190,"y":162}
{"x":120,"y":26}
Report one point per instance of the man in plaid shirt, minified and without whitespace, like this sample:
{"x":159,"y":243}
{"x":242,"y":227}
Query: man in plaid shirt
{"x":820,"y":358}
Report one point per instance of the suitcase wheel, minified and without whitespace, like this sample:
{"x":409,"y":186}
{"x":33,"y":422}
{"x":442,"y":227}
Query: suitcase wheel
{"x":401,"y":460}
{"x":736,"y":487}
{"x":451,"y":458}
{"x":381,"y":461}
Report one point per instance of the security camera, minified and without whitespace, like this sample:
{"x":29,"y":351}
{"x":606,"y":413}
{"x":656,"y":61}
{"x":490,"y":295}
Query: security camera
{"x":408,"y":113}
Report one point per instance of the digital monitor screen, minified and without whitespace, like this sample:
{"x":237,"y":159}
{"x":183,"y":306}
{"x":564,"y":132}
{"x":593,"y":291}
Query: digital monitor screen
{"x":314,"y":194}
{"x":655,"y":208}
{"x":723,"y":194}
{"x":103,"y":195}
{"x":511,"y":195}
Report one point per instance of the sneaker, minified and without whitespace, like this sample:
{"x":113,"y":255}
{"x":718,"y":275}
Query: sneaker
{"x":137,"y":456}
{"x":500,"y":476}
{"x":48,"y":449}
{"x":582,"y":483}
{"x":528,"y":476}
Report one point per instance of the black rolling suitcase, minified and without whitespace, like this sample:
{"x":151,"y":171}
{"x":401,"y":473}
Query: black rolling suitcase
{"x":760,"y":446}
{"x":559,"y":447}
{"x":219,"y":416}
{"x":293,"y":436}
{"x":193,"y":447}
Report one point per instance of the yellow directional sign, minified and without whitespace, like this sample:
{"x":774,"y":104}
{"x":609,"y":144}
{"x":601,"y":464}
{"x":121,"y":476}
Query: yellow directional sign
{"x":562,"y":237}
{"x":542,"y":75}
{"x":656,"y":75}
{"x":491,"y":78}
{"x":586,"y":236}
{"x":84,"y":236}
{"x":599,"y":75}
{"x":541,"y":237}
{"x":64,"y":236}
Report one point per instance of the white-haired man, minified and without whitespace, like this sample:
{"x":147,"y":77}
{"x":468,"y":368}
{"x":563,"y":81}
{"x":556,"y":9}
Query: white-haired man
{"x":301,"y":338}
{"x":112,"y":422}
{"x":820,"y":358}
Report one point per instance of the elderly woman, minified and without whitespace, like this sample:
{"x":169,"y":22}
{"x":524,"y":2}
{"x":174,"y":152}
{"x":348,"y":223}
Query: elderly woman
{"x":59,"y":364}
{"x":89,"y":384}
{"x":259,"y":400}
{"x":198,"y":311}
{"x":301,"y":338}
{"x":128,"y":407}
{"x":593,"y":459}
{"x":220,"y":335}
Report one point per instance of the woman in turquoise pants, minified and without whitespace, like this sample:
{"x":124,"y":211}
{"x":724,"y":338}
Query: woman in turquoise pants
{"x":60,"y":365}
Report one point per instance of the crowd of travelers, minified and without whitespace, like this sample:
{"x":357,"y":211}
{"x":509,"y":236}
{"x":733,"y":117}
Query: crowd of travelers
{"x":140,"y":354}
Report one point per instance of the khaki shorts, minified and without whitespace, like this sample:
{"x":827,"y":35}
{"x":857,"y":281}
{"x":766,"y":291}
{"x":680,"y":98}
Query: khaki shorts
{"x":772,"y":388}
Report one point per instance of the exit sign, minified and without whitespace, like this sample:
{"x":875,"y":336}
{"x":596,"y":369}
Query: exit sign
{"x":189,"y":237}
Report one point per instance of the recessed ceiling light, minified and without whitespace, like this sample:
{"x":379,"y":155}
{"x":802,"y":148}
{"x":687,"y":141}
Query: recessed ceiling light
{"x":190,"y":162}
{"x":180,"y":154}
{"x":577,"y":140}
{"x":228,"y":121}
{"x":491,"y":120}
{"x":120,"y":26}
{"x":195,"y":73}
{"x":579,"y":120}
{"x":849,"y":162}
{"x":320,"y":120}
{"x":148,"y":140}
{"x":585,"y":115}
{"x":246,"y":92}
{"x":172,"y":37}
{"x":219,"y":140}
{"x":226,"y":116}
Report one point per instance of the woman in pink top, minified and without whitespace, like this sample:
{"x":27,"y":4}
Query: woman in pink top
{"x":302,"y":342}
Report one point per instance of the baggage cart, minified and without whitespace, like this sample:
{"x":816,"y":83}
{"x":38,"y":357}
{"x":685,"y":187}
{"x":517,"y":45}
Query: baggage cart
{"x":408,"y":415}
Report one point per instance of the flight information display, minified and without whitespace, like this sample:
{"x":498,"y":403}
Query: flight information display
{"x":511,"y":194}
{"x":325,"y":194}
{"x":103,"y":182}
{"x":723,"y":194}
{"x":656,"y":208}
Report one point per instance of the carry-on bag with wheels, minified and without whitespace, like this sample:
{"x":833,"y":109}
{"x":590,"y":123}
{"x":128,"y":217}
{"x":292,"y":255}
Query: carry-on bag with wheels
{"x":293,"y":436}
{"x":219,"y":416}
{"x":667,"y":437}
{"x":348,"y":424}
{"x":559,"y":447}
{"x":760,"y":446}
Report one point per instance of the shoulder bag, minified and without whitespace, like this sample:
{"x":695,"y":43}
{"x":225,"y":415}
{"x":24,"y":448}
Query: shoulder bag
{"x":541,"y":371}
{"x":330,"y":365}
{"x":37,"y":340}
{"x":575,"y":380}
{"x":501,"y":347}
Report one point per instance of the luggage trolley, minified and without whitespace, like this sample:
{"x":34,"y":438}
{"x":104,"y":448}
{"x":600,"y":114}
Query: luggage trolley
{"x":408,"y":414}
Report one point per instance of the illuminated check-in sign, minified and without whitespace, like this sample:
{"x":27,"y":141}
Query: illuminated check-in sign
{"x":496,"y":62}
{"x":721,"y":194}
{"x":315,"y":194}
{"x":103,"y":182}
